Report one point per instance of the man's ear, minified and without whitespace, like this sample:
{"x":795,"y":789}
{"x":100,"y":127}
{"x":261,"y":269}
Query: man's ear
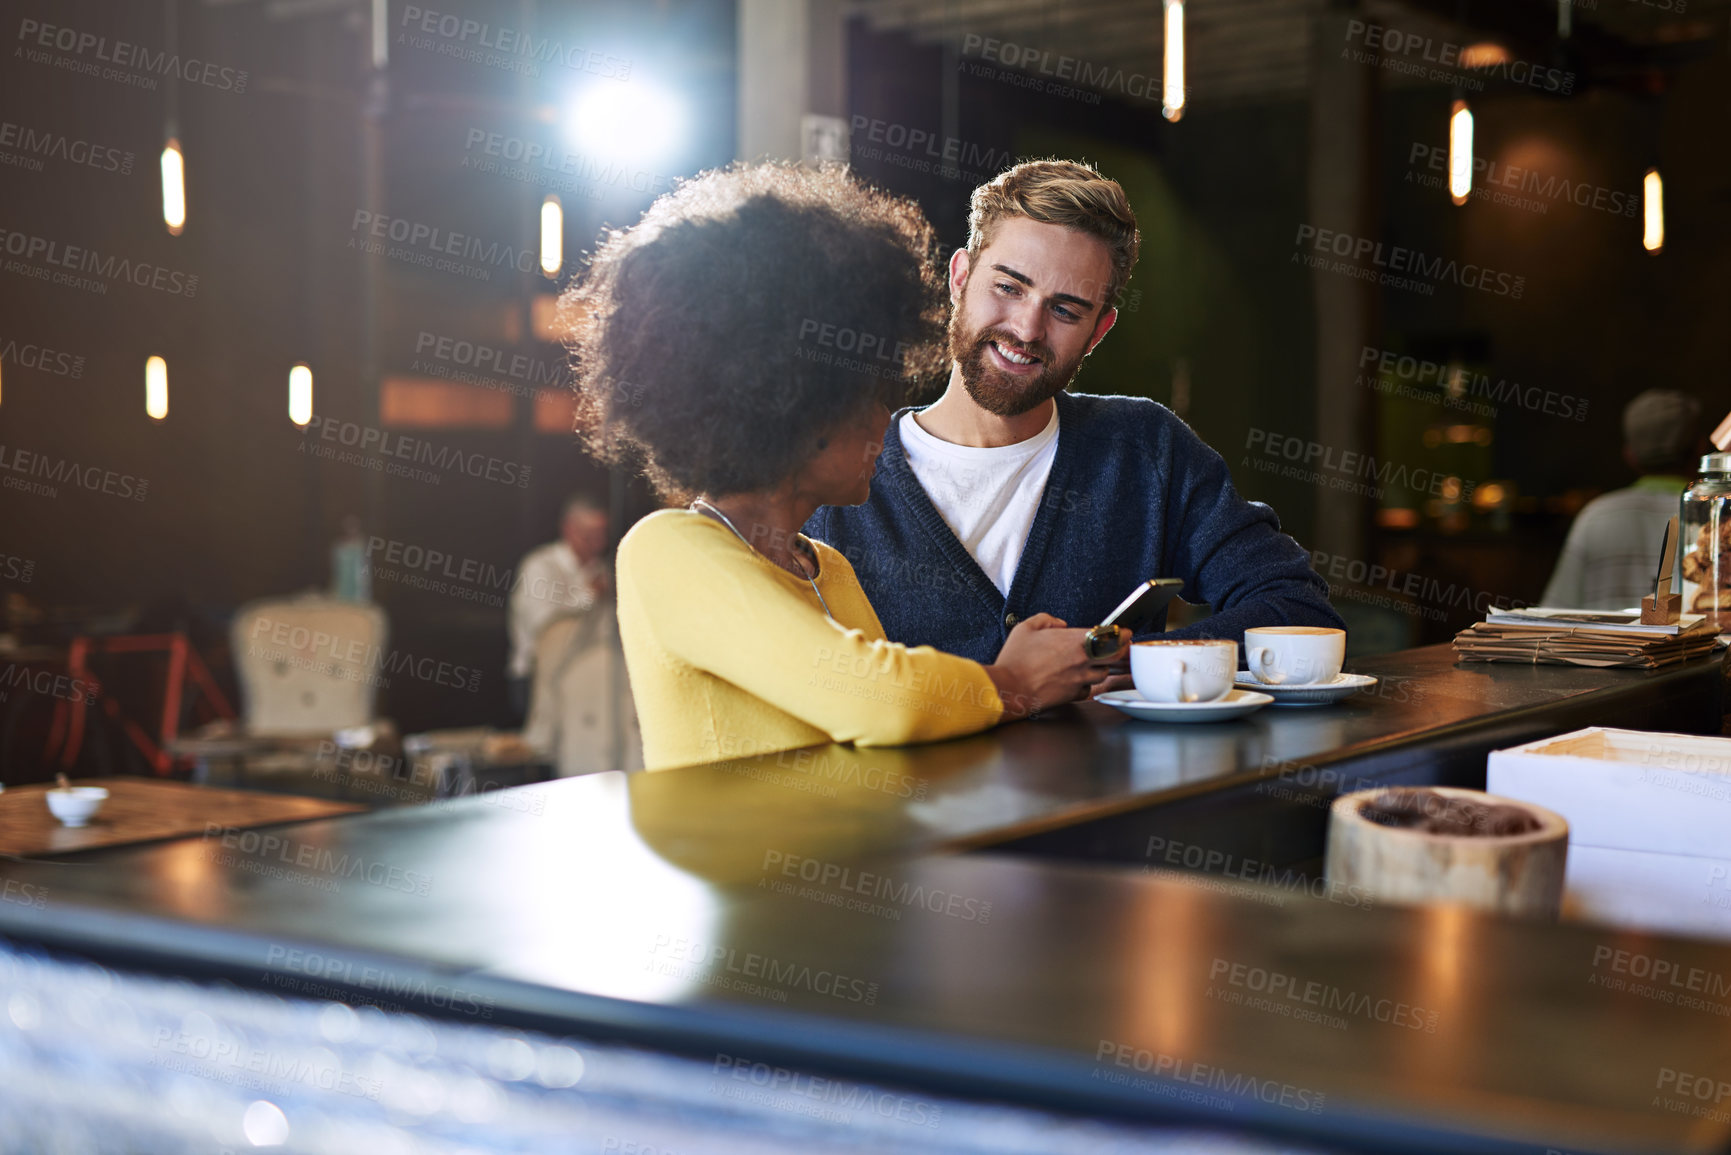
{"x":960,"y":266}
{"x":1102,"y":327}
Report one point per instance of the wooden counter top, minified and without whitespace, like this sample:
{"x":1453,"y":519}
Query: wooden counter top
{"x":811,"y":908}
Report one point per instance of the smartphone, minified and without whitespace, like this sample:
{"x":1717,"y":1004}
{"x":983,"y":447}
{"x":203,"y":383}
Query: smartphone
{"x":1142,"y":610}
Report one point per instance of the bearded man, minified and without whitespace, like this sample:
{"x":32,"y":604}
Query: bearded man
{"x":1010,"y":496}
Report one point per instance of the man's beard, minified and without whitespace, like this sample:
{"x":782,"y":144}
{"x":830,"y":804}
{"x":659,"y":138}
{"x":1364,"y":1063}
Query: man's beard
{"x":996,"y":391}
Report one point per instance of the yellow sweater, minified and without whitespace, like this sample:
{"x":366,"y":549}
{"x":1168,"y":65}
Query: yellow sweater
{"x":730,"y":655}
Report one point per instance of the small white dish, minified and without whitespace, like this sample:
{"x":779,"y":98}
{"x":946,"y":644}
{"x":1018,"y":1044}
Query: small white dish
{"x":76,"y":805}
{"x":1343,"y":686}
{"x":1236,"y":704}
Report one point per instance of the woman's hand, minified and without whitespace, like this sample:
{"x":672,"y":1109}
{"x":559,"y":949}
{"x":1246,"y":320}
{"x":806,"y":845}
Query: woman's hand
{"x":1043,"y":663}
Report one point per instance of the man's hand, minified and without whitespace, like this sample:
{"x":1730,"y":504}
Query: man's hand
{"x":1115,"y":682}
{"x":1043,"y":663}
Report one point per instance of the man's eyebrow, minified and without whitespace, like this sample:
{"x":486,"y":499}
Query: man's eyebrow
{"x":1029,"y":281}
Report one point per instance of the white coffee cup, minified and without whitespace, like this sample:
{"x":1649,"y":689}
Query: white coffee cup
{"x":1294,"y":655}
{"x":1192,"y":670}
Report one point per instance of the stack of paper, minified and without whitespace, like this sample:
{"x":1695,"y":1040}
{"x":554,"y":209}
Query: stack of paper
{"x":1583,"y":638}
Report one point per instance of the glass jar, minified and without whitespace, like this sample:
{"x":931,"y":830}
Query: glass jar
{"x":1705,"y":542}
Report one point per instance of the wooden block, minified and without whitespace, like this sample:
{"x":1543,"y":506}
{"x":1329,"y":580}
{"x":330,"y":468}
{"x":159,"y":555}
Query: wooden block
{"x":1661,"y":609}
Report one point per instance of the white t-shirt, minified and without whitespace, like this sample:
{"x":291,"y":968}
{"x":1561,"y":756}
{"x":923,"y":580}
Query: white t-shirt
{"x":551,"y":583}
{"x":988,"y":497}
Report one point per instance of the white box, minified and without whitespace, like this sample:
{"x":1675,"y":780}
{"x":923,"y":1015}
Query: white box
{"x":1627,"y":789}
{"x":1642,"y":890}
{"x":1649,"y":818}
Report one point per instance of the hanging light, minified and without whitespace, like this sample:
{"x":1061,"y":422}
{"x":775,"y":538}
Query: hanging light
{"x":1461,"y":152}
{"x":300,"y":395}
{"x":381,"y":38}
{"x":1172,"y":86}
{"x":173,"y":187}
{"x":156,"y":388}
{"x":1484,"y":54}
{"x":552,"y":236}
{"x":1653,"y":197}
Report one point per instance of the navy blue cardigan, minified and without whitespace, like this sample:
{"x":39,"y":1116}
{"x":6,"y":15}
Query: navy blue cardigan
{"x":1133,"y":494}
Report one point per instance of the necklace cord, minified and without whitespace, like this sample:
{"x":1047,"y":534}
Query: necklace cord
{"x":723,"y":518}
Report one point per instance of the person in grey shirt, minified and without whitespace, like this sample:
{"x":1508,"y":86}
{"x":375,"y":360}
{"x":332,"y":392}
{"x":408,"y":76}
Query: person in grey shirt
{"x":1612,"y":550}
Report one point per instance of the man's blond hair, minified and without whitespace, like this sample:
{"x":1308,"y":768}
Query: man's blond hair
{"x":1059,"y":192}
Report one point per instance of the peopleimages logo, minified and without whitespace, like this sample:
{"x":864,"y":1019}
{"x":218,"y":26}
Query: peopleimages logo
{"x":29,"y":248}
{"x":933,"y":146}
{"x":368,"y":439}
{"x":488,"y":359}
{"x":1400,"y":259}
{"x":1312,"y":460}
{"x":35,"y":145}
{"x":317,"y":648}
{"x":437,"y":248}
{"x":844,"y":1096}
{"x":527,"y":48}
{"x":1413,"y":54}
{"x":1278,"y":985}
{"x":864,"y":882}
{"x":1169,"y":1069}
{"x":42,"y":359}
{"x":93,"y":478}
{"x":410,"y":989}
{"x":1394,"y":372}
{"x":1492,"y":177}
{"x":717,"y":964}
{"x":36,"y":35}
{"x":36,"y":680}
{"x":268,"y":846}
{"x":1433,"y":594}
{"x":1041,"y":62}
{"x":537,"y":162}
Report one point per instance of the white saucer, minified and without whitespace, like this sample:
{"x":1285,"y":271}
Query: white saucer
{"x":1343,"y":686}
{"x":1235,"y":704}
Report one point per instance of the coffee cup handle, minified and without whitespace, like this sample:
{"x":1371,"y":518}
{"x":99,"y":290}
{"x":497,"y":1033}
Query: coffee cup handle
{"x":1259,"y":665}
{"x":1173,"y":690}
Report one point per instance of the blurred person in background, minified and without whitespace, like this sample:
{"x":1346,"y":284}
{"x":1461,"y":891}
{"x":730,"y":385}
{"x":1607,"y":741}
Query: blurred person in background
{"x":1612,"y":550}
{"x":351,"y":576}
{"x":564,"y":578}
{"x":741,"y":635}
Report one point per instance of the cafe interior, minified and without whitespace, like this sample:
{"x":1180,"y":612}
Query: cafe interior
{"x":846,"y":576}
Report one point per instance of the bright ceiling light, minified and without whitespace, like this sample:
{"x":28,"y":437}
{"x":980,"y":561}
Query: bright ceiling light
{"x":156,"y":388}
{"x":1172,"y":83}
{"x":301,"y":395}
{"x":627,"y":121}
{"x":173,"y":187}
{"x":1461,"y":153}
{"x":1653,"y":194}
{"x":552,"y":236}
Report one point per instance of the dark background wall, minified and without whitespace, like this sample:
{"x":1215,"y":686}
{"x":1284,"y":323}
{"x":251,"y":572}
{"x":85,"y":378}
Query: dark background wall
{"x":236,"y":509}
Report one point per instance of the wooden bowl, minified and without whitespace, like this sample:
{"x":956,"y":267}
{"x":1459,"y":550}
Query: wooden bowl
{"x":1519,"y":874}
